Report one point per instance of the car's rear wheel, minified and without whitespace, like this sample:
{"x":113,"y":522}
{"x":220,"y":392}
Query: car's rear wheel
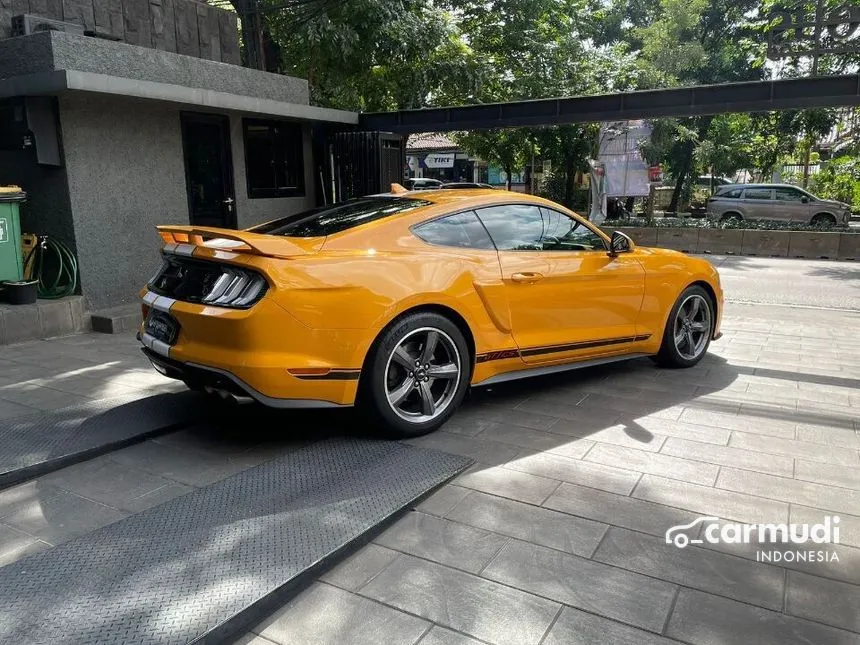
{"x":824,"y":219}
{"x":688,"y":330}
{"x":418,"y":374}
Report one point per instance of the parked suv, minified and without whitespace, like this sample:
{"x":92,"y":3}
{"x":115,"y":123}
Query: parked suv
{"x":777,"y":202}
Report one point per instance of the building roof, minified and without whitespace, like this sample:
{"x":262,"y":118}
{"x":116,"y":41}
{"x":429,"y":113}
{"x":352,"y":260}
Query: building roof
{"x":430,"y":141}
{"x":53,"y":62}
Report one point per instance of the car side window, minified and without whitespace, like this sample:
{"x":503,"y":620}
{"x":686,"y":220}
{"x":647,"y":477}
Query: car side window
{"x":757,"y":193}
{"x":789,"y":194}
{"x":523,"y":227}
{"x":462,"y":230}
{"x":563,"y":233}
{"x":514,"y":227}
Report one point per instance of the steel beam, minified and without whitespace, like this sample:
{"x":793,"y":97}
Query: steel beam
{"x":759,"y":96}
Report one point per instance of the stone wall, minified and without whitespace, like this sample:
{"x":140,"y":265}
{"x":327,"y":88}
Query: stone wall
{"x":777,"y":244}
{"x":181,"y":26}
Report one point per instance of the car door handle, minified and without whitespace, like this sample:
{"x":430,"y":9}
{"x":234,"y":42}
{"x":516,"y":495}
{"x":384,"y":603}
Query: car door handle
{"x":526,"y":277}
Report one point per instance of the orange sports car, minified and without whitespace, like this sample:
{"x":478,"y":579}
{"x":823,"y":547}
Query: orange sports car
{"x":401,"y":301}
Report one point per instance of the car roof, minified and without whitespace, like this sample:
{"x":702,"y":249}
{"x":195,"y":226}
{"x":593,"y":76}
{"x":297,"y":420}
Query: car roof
{"x":490,"y":195}
{"x":725,"y":186}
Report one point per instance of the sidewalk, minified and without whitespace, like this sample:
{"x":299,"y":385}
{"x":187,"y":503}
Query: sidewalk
{"x":46,"y":375}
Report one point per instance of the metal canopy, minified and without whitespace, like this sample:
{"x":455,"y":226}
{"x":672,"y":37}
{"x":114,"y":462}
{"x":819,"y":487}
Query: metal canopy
{"x":759,"y":96}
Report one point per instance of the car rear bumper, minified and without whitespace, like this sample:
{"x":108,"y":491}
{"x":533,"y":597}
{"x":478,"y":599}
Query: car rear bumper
{"x":263,"y":353}
{"x":224,"y":382}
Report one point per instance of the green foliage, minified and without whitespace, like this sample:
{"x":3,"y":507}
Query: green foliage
{"x":375,"y":54}
{"x":508,"y":149}
{"x":839,"y":179}
{"x":394,"y":54}
{"x":556,"y":188}
{"x":747,"y":225}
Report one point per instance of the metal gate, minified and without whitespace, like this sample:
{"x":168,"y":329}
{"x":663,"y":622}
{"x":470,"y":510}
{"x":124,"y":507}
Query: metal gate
{"x":365,"y":163}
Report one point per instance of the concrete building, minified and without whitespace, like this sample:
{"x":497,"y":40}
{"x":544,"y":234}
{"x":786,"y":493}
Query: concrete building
{"x":147,"y":120}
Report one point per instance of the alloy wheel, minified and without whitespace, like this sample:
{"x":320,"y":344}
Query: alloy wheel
{"x":422,"y":375}
{"x":692,"y":326}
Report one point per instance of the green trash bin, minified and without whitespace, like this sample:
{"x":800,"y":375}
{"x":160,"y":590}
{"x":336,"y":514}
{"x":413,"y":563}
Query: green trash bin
{"x":11,"y":262}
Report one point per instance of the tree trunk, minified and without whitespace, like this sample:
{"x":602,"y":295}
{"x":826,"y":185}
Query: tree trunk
{"x":807,"y":152}
{"x":649,"y":205}
{"x":679,"y":183}
{"x":252,"y":32}
{"x":507,"y":177}
{"x":570,"y":180}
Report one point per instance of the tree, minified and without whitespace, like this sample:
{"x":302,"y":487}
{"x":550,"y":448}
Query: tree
{"x":375,"y":54}
{"x":726,"y":147}
{"x":691,"y":42}
{"x":509,"y":149}
{"x":537,"y":49}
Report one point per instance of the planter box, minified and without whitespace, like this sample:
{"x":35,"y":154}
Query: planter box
{"x":720,"y":241}
{"x":808,"y":244}
{"x":765,"y":243}
{"x":849,"y":246}
{"x":680,"y":239}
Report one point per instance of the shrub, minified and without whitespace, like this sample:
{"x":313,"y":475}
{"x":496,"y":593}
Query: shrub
{"x":754,"y":225}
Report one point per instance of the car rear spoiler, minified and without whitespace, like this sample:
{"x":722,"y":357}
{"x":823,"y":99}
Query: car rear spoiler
{"x":255,"y":243}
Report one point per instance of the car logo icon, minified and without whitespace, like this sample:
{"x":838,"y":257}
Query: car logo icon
{"x":678,"y":535}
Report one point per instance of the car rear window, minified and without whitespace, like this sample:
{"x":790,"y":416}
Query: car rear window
{"x":327,"y":220}
{"x":733,"y":193}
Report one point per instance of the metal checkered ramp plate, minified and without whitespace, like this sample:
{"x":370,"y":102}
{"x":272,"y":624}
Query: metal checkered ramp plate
{"x":203,"y":566}
{"x":37,"y":444}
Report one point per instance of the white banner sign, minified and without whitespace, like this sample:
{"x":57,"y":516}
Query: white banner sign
{"x":439,"y":161}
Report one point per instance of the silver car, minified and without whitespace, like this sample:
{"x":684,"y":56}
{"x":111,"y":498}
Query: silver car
{"x":780,"y":202}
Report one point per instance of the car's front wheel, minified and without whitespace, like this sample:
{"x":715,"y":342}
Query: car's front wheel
{"x":688,"y":329}
{"x":418,"y":374}
{"x":824,"y":219}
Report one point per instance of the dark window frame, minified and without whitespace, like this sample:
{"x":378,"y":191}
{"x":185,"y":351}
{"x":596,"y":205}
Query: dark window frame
{"x":297,"y":132}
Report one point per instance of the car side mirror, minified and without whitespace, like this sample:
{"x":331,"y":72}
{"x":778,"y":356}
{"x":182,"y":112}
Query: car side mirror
{"x":804,"y":200}
{"x":620,"y":243}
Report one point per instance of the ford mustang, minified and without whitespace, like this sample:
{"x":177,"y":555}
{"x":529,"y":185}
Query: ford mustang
{"x":400,"y":302}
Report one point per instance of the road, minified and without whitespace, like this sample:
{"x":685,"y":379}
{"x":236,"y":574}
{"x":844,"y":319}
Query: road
{"x":795,"y":282}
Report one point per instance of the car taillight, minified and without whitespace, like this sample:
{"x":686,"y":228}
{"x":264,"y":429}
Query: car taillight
{"x":235,"y":288}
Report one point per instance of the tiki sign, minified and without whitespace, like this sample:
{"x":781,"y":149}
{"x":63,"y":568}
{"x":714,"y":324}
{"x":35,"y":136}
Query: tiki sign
{"x":814,"y":28}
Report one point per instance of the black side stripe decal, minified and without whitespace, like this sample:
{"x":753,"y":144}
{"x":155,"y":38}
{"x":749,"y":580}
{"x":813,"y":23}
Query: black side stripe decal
{"x":555,"y":349}
{"x":333,"y":375}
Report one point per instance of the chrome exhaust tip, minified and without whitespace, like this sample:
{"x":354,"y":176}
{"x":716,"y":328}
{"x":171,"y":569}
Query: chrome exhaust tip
{"x":228,"y":397}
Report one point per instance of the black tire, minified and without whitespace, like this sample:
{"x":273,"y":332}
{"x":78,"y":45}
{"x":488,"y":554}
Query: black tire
{"x":731,"y":217}
{"x":383,"y":369}
{"x":824,"y":219}
{"x":670,"y":355}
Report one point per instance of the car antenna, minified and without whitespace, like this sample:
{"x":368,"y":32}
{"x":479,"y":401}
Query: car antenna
{"x":397,"y":189}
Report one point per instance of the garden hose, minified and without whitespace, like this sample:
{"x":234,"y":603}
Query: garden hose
{"x":64,"y":269}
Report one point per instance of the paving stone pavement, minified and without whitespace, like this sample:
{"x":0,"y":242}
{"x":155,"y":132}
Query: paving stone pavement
{"x":557,"y":534}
